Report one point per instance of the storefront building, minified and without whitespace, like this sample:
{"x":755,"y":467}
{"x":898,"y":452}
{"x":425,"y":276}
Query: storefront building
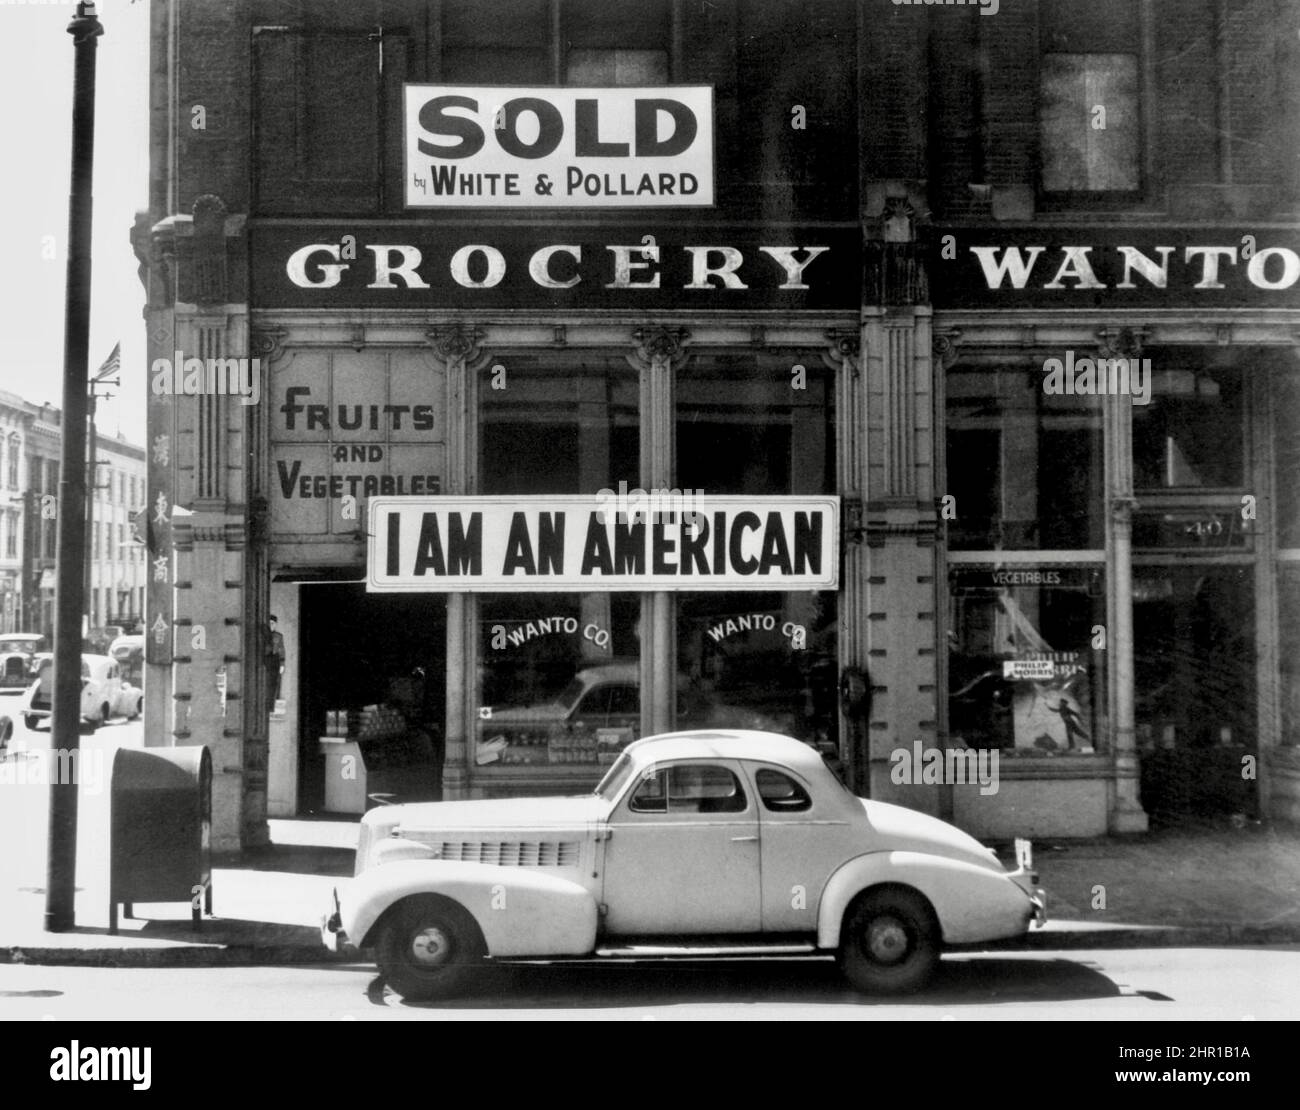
{"x":842,"y":277}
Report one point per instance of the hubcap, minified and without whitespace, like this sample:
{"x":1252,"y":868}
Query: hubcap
{"x":430,"y":947}
{"x":886,"y":940}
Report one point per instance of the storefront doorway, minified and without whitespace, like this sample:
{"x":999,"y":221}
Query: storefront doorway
{"x":1195,"y":684}
{"x":373,"y":697}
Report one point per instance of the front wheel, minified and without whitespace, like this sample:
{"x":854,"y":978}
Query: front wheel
{"x":428,"y":948}
{"x":889,"y":943}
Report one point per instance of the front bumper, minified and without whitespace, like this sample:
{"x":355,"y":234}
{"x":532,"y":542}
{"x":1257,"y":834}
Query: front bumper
{"x":1027,"y":881}
{"x":332,"y":935}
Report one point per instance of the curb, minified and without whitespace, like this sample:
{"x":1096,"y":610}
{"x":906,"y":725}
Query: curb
{"x":253,"y":955}
{"x":214,"y":955}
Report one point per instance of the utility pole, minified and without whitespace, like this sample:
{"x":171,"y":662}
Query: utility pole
{"x":61,"y":873}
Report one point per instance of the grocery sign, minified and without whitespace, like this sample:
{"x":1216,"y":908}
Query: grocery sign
{"x":455,"y":544}
{"x":479,"y":146}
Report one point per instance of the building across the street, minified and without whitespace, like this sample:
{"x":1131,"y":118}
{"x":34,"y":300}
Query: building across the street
{"x":918,"y":380}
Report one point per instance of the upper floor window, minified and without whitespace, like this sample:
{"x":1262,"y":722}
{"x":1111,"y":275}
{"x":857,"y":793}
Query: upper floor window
{"x":15,"y":450}
{"x":1090,"y":112}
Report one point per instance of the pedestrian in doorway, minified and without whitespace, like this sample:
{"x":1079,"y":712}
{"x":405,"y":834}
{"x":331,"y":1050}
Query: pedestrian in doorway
{"x":274,"y":659}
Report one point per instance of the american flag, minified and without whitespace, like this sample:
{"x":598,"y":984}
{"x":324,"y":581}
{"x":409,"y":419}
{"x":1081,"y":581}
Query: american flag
{"x":111,"y":364}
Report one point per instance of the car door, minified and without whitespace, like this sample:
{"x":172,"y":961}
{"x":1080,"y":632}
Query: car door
{"x":682,"y":854}
{"x":804,"y":841}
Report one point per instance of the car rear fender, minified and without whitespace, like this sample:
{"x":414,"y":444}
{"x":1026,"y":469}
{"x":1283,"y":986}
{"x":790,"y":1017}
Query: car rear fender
{"x":520,"y":912}
{"x":972,"y":903}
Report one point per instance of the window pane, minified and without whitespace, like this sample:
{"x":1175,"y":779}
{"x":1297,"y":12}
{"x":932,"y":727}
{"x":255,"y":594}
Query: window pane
{"x":1287,"y":407}
{"x":558,"y":678}
{"x":1023,"y":675}
{"x":739,"y":666}
{"x":597,"y":68}
{"x":780,"y":793}
{"x":317,"y":128}
{"x":1089,"y":123}
{"x":1193,"y":433}
{"x":1289,"y":654}
{"x":753,"y":423}
{"x":561,"y":424}
{"x":1024,"y":466}
{"x":1194,"y":668}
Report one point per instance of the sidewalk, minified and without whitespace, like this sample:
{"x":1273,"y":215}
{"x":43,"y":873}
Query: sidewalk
{"x":1213,"y":886}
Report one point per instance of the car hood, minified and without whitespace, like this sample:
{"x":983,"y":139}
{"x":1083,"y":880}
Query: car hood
{"x":906,"y":830}
{"x":491,"y":815}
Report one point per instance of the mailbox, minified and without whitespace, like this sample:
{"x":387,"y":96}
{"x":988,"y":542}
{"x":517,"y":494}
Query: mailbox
{"x":161,"y":829}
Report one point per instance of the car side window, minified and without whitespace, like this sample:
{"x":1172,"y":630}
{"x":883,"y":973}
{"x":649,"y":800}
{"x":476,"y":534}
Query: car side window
{"x":624,"y":700}
{"x":781,"y":793}
{"x":689,"y":788}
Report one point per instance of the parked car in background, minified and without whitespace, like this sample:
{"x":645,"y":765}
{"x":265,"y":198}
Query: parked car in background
{"x":15,"y":673}
{"x":602,"y":703}
{"x":128,"y":650}
{"x":719,"y":840}
{"x":101,"y":680}
{"x":28,"y":642}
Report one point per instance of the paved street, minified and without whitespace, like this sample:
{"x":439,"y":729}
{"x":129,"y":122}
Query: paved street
{"x":1173,"y":984}
{"x":25,"y":798}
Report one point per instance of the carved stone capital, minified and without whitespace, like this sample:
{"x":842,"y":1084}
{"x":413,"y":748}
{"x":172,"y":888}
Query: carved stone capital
{"x":458,"y":343}
{"x":944,"y":345}
{"x":658,"y":343}
{"x":1123,"y":342}
{"x":267,"y":344}
{"x":843,"y":348}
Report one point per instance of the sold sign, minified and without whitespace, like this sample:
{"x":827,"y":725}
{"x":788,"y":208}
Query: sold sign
{"x":471,"y":146}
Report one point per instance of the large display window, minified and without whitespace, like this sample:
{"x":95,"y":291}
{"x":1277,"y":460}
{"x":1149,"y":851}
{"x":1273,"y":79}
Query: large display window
{"x":558,"y":673}
{"x":1026,"y":665}
{"x":558,"y":684}
{"x":1025,"y":467}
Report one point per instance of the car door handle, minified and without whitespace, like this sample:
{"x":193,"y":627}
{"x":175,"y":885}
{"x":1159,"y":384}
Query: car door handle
{"x":743,"y":839}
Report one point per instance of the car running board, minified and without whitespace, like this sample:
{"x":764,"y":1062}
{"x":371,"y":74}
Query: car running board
{"x":701,"y":951}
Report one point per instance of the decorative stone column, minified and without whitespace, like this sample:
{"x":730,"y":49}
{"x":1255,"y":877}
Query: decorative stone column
{"x":1126,"y":813}
{"x":198,"y":499}
{"x":900,"y":521}
{"x":458,"y":349}
{"x":657,"y":353}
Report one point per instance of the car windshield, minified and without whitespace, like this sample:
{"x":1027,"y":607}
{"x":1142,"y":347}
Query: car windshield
{"x":615,"y":778}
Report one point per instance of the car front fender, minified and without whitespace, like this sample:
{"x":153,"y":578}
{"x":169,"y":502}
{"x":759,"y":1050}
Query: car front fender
{"x":519,"y":912}
{"x":972,"y":903}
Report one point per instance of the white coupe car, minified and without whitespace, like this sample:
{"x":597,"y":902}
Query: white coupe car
{"x":716,"y":841}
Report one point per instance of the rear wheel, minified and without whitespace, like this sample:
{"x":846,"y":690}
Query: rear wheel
{"x":428,"y":947}
{"x":889,"y":943}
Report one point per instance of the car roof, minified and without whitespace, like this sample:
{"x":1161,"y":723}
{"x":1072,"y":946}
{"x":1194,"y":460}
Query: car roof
{"x":729,"y":743}
{"x":618,"y":672}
